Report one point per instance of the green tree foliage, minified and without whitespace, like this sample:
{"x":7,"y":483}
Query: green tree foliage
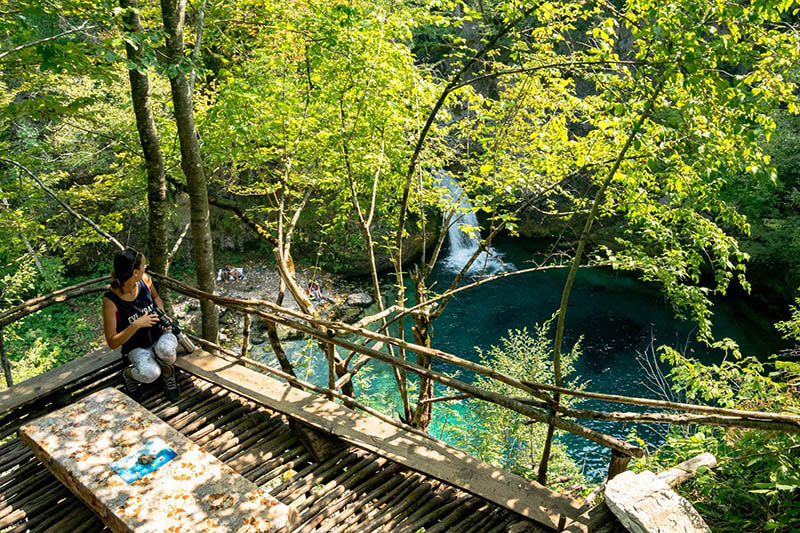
{"x":66,"y":117}
{"x":707,"y":124}
{"x":291,"y":95}
{"x":679,"y":92}
{"x":92,"y":165}
{"x":771,"y":203}
{"x":674,"y":111}
{"x":53,"y":337}
{"x":791,"y":327}
{"x":330,"y":89}
{"x":756,"y":483}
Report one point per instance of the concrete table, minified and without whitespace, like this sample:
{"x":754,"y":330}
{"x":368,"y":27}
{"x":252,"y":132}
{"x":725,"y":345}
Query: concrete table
{"x":194,"y":491}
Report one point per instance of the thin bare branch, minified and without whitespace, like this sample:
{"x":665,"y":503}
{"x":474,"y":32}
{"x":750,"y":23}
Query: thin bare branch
{"x":177,"y":245}
{"x":82,"y":27}
{"x":63,"y":204}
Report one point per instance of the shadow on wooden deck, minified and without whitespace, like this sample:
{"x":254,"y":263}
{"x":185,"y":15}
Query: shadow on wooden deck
{"x":355,"y":490}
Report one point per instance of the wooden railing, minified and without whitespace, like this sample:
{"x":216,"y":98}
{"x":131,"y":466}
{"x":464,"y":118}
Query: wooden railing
{"x":534,"y":401}
{"x":33,"y":305}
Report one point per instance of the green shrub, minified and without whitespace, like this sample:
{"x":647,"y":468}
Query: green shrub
{"x":52,"y":336}
{"x":756,"y":485}
{"x":501,"y":436}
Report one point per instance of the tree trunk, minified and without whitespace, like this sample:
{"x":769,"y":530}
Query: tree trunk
{"x":277,"y":348}
{"x":148,"y":137}
{"x":191,"y":162}
{"x":286,"y":268}
{"x":32,"y":252}
{"x":246,"y":335}
{"x":576,"y":261}
{"x":339,"y":369}
{"x":423,"y":414}
{"x":422,"y":330}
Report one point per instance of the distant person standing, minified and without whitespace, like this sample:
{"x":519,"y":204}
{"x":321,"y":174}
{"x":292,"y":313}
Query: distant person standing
{"x":130,"y":320}
{"x":314,"y":291}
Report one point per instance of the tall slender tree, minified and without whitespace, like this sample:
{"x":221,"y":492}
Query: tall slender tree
{"x":173,"y":12}
{"x":145,"y":124}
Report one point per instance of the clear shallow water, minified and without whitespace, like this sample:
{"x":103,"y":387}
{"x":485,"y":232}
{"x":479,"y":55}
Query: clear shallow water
{"x":616,"y":315}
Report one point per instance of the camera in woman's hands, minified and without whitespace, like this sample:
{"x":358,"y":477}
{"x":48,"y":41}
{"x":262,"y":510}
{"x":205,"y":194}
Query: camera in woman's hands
{"x":166,"y":323}
{"x":163,"y":321}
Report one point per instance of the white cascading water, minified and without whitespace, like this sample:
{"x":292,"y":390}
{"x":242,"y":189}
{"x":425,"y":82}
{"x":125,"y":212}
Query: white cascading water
{"x":461,"y":245}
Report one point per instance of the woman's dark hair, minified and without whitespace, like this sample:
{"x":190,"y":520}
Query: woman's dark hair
{"x":124,"y":263}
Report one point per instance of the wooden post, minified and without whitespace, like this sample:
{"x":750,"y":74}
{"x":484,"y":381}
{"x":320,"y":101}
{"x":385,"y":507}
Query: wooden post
{"x":246,"y":334}
{"x":329,"y":349}
{"x":687,"y":469}
{"x":6,"y":363}
{"x":619,"y":463}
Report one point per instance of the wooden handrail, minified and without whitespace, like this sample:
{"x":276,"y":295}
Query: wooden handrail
{"x":527,"y":386}
{"x":327,"y":330}
{"x":36,"y":304}
{"x":297,"y":382}
{"x":329,"y":336}
{"x":40,"y":302}
{"x":331,"y":328}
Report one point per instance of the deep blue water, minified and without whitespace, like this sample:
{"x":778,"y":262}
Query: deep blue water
{"x":616,"y":314}
{"x":618,"y":318}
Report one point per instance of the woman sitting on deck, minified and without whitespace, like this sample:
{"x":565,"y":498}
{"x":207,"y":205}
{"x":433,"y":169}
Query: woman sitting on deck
{"x":130,"y":320}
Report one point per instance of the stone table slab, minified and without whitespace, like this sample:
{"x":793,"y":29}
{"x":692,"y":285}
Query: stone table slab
{"x":192,"y":492}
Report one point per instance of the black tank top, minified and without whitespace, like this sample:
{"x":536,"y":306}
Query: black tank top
{"x":128,"y":312}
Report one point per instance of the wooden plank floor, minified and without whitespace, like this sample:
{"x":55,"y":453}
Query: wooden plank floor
{"x":354,"y":491}
{"x":28,"y":391}
{"x":426,"y":455}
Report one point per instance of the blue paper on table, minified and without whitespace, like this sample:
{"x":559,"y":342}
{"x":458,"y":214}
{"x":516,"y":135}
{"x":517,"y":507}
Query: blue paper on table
{"x":152,"y":456}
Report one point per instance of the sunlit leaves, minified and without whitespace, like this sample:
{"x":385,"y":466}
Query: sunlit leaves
{"x":505,"y":439}
{"x":708,"y":125}
{"x":330,"y":91}
{"x":298,"y":96}
{"x":791,"y":327}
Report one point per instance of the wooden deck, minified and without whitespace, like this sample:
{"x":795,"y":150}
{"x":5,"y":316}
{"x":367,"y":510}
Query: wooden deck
{"x":356,"y":490}
{"x":423,"y":453}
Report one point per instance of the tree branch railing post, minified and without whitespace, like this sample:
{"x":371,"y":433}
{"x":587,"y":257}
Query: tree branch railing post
{"x":246,"y":334}
{"x":329,"y":349}
{"x":299,"y":383}
{"x":618,"y":464}
{"x":327,"y":330}
{"x":6,"y":363}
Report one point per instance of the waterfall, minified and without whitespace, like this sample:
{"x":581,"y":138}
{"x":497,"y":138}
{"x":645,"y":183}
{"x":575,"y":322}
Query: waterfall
{"x":461,"y":244}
